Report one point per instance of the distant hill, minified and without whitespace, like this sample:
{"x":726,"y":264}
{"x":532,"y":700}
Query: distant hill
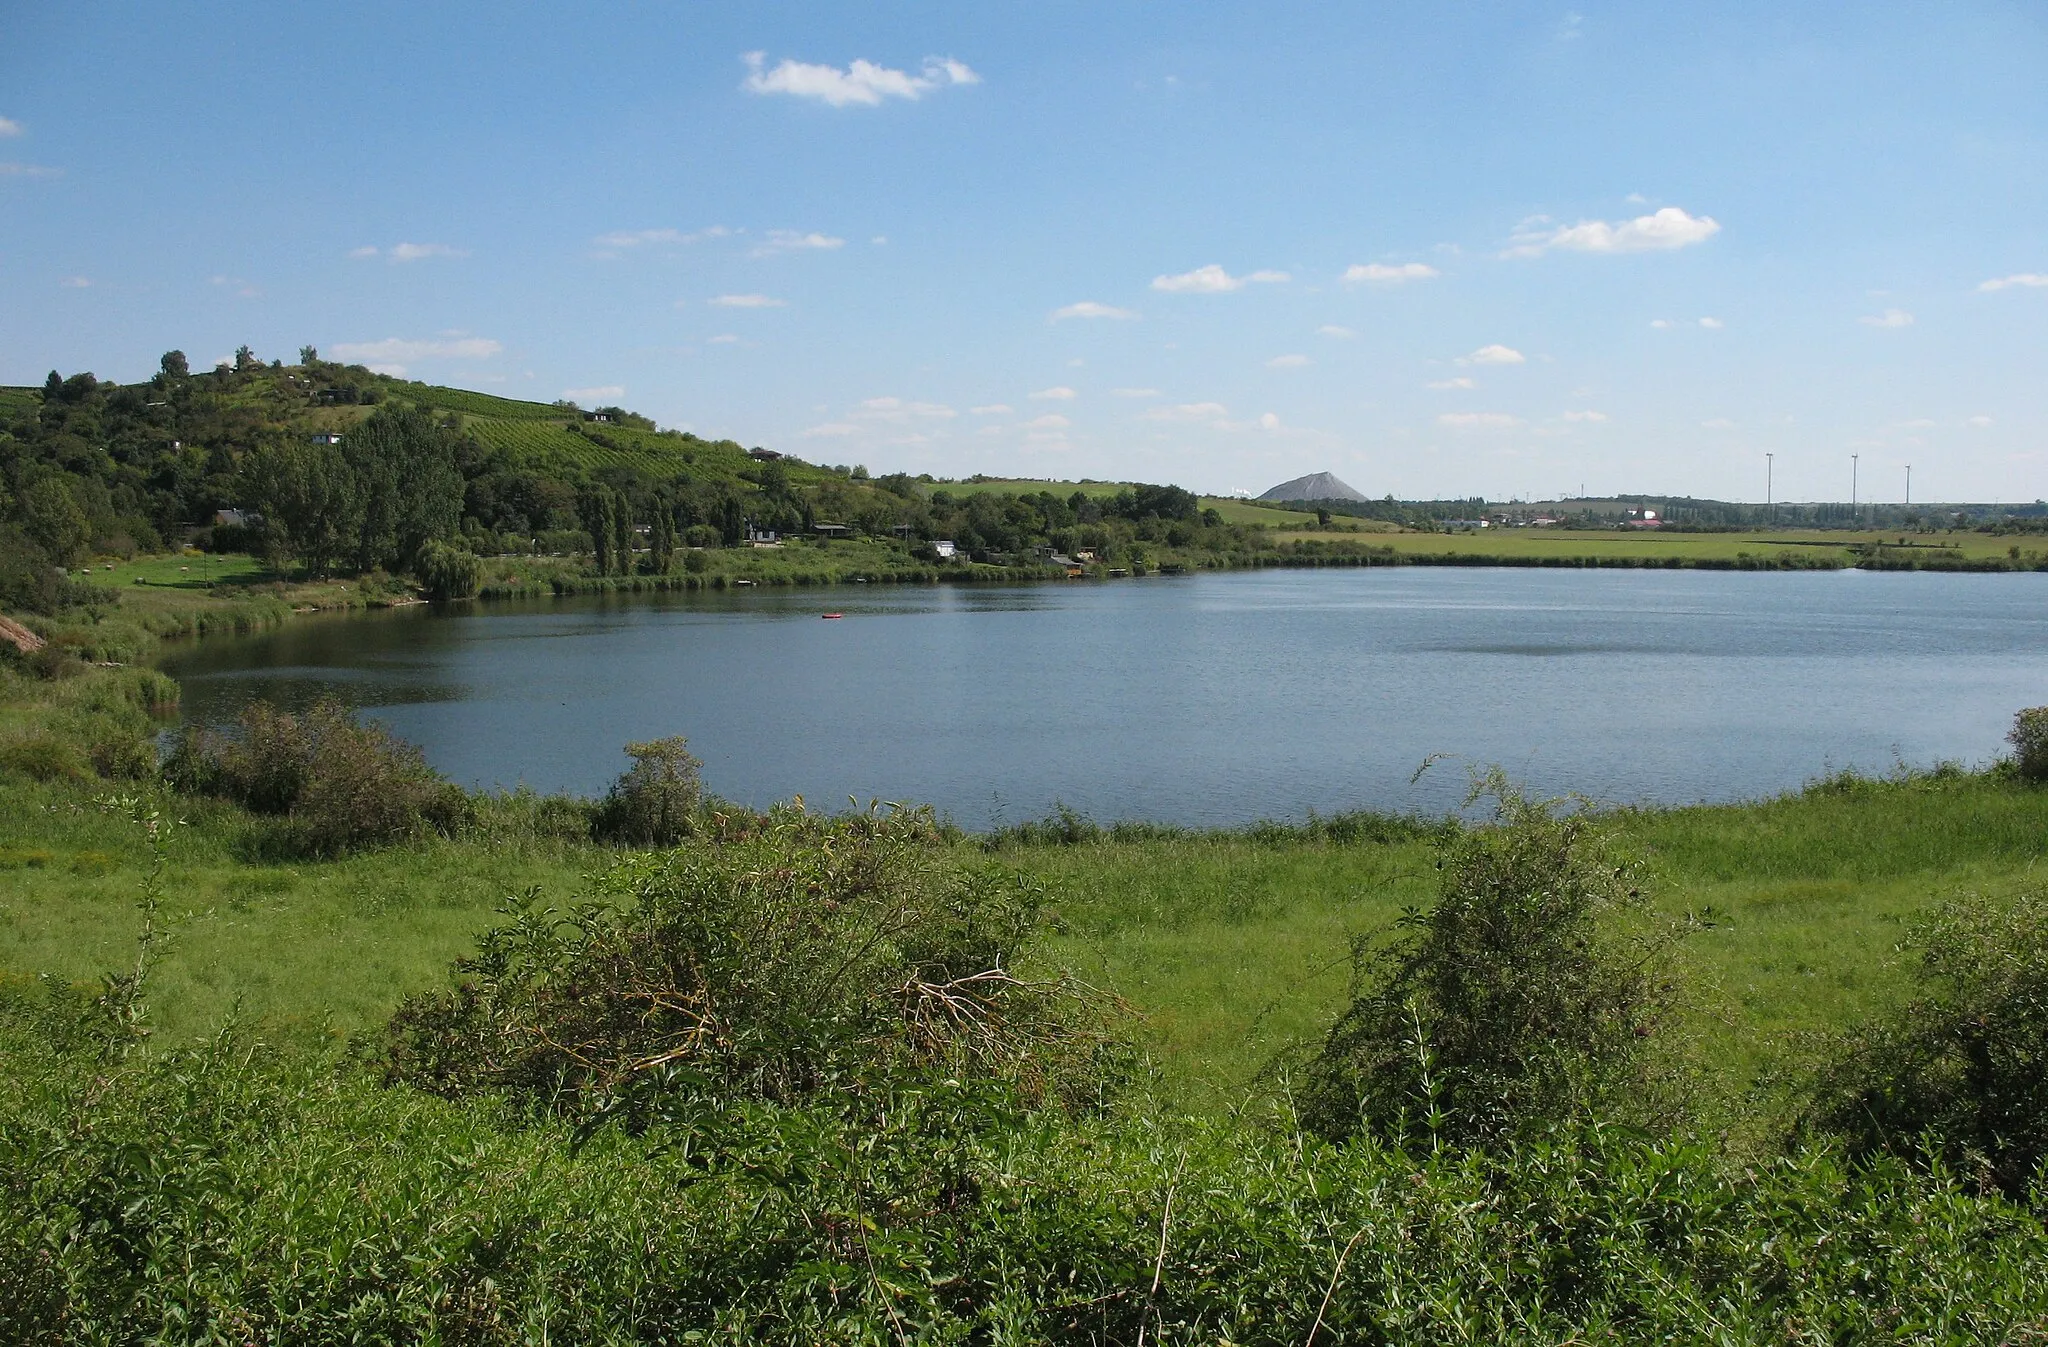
{"x":1315,"y":486}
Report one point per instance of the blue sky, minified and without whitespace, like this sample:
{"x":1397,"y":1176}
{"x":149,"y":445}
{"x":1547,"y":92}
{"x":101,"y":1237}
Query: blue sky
{"x":1499,"y":249}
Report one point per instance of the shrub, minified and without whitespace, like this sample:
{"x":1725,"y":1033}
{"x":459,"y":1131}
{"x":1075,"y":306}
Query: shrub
{"x":654,"y":803}
{"x":42,"y":756}
{"x":1964,"y":1066}
{"x":1528,"y":995}
{"x":334,"y":785}
{"x":808,"y":956}
{"x":2029,"y":738}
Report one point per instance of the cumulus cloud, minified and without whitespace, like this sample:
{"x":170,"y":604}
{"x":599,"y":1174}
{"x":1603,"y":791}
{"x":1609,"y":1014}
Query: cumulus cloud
{"x":993,"y":409}
{"x":723,"y":339}
{"x":602,"y":393}
{"x":747,"y":302}
{"x":903,"y":409}
{"x":1050,"y":421}
{"x":9,"y":127}
{"x":1335,"y":330}
{"x":1495,"y":354}
{"x":1478,"y":420}
{"x":2029,"y":279}
{"x":1189,"y":411}
{"x":398,"y":348}
{"x":418,"y":252}
{"x":1585,"y":416}
{"x":1137,"y":392}
{"x":1214,"y":280}
{"x":1712,"y":324}
{"x":795,"y":241}
{"x":1446,"y":385}
{"x":1288,"y":362}
{"x":830,"y":428}
{"x":1663,"y":231}
{"x":1379,"y":273}
{"x":1978,"y":421}
{"x":1889,"y":318}
{"x":1269,"y":421}
{"x":1088,"y":308}
{"x":863,"y":83}
{"x":644,"y":238}
{"x":1057,"y":393}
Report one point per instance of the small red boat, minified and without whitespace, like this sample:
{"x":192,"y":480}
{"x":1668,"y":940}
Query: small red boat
{"x":829,"y":616}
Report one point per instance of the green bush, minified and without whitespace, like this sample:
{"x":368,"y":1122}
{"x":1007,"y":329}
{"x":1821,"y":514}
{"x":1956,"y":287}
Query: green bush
{"x":1527,"y":996}
{"x":1964,"y":1066}
{"x":2029,"y":738}
{"x":45,"y":757}
{"x":654,"y":802}
{"x":334,"y":786}
{"x":449,"y":572}
{"x":804,"y":956}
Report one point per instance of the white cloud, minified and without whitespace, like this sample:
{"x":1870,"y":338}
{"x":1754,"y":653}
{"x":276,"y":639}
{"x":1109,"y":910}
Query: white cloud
{"x":1662,"y":323}
{"x":1188,"y":411}
{"x":1712,"y":324}
{"x":364,"y":251}
{"x":1057,"y":393}
{"x":1585,"y":416}
{"x":863,"y":82}
{"x":13,"y":170}
{"x":901,"y":409}
{"x":242,"y":287}
{"x":1495,"y":354}
{"x":1335,"y":330}
{"x":75,"y":282}
{"x":795,"y":241}
{"x":1214,"y":280}
{"x":1379,"y":273}
{"x":640,"y":238}
{"x":1889,"y":318}
{"x":1137,"y":392}
{"x":1666,"y":229}
{"x":1718,"y":423}
{"x":1050,"y":421}
{"x":9,"y":127}
{"x":992,"y":409}
{"x":602,"y":393}
{"x":2031,"y":279}
{"x":1446,"y":385}
{"x":1478,"y":420}
{"x":1288,"y":362}
{"x":879,"y":240}
{"x":416,"y":252}
{"x":1269,"y":421}
{"x":723,"y":339}
{"x":830,"y":428}
{"x":395,"y":371}
{"x":747,"y":302}
{"x":1978,"y":421}
{"x":1088,"y":308}
{"x":397,"y":348}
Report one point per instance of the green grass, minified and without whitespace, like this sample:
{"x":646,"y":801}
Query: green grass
{"x":1821,"y":546}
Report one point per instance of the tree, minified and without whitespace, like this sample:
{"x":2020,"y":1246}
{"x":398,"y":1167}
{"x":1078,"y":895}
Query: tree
{"x":622,"y":534}
{"x":308,"y":356}
{"x":595,"y":509}
{"x":411,"y":487}
{"x":245,"y":360}
{"x":661,"y":537}
{"x":51,"y":517}
{"x":311,"y":499}
{"x":173,"y":365}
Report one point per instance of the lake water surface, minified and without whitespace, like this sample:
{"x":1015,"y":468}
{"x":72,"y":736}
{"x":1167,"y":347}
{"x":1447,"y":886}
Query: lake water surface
{"x":1204,"y":699}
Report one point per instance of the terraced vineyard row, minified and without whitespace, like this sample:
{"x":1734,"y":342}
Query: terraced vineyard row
{"x":472,"y":403}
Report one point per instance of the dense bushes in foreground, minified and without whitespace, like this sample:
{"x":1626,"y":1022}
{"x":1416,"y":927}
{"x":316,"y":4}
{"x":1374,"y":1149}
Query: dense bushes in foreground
{"x":244,"y":1192}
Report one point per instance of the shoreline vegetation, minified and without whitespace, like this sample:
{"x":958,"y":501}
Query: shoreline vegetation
{"x":305,"y":1044}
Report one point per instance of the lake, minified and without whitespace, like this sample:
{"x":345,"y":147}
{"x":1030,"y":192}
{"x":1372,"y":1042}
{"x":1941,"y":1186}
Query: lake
{"x":1210,"y":699}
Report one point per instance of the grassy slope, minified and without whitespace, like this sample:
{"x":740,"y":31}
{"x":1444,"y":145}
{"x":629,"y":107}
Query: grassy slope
{"x":1230,"y":949}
